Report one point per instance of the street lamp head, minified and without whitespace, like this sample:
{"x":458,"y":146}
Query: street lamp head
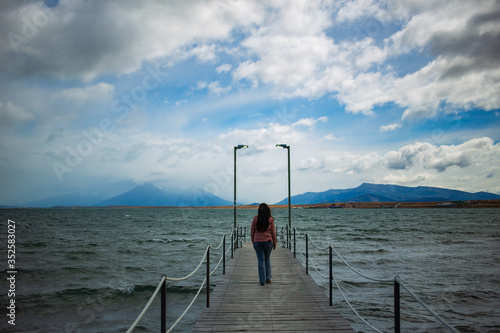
{"x":240,"y":146}
{"x":282,"y":145}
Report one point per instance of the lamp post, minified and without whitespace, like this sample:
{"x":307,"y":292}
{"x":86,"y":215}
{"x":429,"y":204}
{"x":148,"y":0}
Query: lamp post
{"x":235,"y":149}
{"x":282,"y":145}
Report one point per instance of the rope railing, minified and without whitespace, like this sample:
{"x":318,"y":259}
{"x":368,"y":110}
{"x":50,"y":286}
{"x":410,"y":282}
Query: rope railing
{"x":193,"y":272}
{"x":353,"y":309}
{"x":397,"y":283}
{"x":206,"y":282}
{"x":188,"y":307}
{"x":220,"y":260}
{"x":358,"y":272}
{"x":441,"y":320}
{"x":218,"y":247}
{"x":147,"y":305}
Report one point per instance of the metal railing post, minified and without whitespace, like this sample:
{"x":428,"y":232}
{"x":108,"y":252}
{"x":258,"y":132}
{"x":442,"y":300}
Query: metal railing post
{"x":331,"y":276}
{"x":236,"y":238}
{"x":294,"y":250}
{"x":224,"y":255}
{"x":307,"y":254}
{"x":208,"y":276}
{"x":232,"y":244}
{"x":397,"y":309}
{"x":164,"y":306}
{"x":287,"y":237}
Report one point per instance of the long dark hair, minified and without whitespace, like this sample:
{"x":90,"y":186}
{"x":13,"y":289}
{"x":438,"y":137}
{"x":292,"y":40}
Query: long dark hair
{"x":263,"y":217}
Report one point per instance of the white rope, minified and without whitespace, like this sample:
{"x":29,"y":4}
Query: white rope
{"x":298,"y":234}
{"x":318,"y":247}
{"x":218,"y":247}
{"x":192,"y":273}
{"x":220,"y":260}
{"x":345,"y":262}
{"x":358,"y":272}
{"x":180,"y":279}
{"x":347,"y":301}
{"x":352,"y":268}
{"x":216,"y":266}
{"x":352,"y":308}
{"x":441,"y":320}
{"x":451,"y":328}
{"x":147,"y":305}
{"x":298,"y":249}
{"x":188,"y":308}
{"x":316,"y":268}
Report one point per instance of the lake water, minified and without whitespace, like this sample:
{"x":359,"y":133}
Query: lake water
{"x":93,"y":270}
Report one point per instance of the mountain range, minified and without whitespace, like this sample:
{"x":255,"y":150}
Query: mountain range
{"x":367,"y":192}
{"x":151,"y":195}
{"x":141,"y":195}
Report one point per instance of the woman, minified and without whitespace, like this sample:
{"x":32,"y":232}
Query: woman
{"x":263,"y":234}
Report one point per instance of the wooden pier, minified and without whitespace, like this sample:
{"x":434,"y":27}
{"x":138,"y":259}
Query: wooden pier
{"x":292,"y":302}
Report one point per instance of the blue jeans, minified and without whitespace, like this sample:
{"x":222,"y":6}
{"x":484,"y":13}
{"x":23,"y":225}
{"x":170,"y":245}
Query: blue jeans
{"x":263,"y":251}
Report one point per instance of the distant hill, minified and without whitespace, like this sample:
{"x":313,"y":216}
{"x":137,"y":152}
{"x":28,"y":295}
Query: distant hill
{"x":367,"y":192}
{"x":150,"y":195}
{"x":66,"y":200}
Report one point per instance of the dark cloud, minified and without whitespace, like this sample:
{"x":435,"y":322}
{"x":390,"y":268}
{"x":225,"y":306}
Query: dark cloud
{"x":463,"y":160}
{"x":492,"y":16}
{"x":477,"y":42}
{"x":481,"y":51}
{"x":404,"y":157}
{"x":44,"y":42}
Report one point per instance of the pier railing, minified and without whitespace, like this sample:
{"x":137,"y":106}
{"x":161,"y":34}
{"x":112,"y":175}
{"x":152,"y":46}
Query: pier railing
{"x":237,"y":237}
{"x":396,"y":281}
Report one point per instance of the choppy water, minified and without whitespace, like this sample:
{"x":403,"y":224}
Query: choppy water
{"x":89,"y":270}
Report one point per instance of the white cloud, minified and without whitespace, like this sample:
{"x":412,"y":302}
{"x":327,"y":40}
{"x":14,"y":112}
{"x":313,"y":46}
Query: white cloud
{"x":223,"y":68}
{"x":471,"y":153}
{"x":423,"y":58}
{"x":296,"y":33}
{"x":363,"y":163}
{"x":286,"y":45}
{"x":121,"y":35}
{"x":331,"y":137}
{"x":12,"y":114}
{"x":460,"y":37}
{"x":99,"y":92}
{"x":404,"y":157}
{"x":205,"y":53}
{"x":390,"y":127}
{"x":216,"y":89}
{"x":409,"y":178}
{"x":265,"y":137}
{"x":470,"y":166}
{"x":309,"y":122}
{"x":353,"y":10}
{"x":213,"y":87}
{"x":480,"y":152}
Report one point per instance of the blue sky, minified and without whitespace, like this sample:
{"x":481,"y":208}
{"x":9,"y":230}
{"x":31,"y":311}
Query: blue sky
{"x":97,"y":97}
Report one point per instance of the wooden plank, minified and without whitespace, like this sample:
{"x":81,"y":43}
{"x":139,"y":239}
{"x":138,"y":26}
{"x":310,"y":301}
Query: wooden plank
{"x":292,"y":302}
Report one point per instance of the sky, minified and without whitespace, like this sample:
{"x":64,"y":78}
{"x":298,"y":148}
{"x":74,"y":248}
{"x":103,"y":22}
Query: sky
{"x":97,"y":97}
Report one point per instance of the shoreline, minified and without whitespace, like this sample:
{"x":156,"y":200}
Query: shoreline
{"x":493,"y":203}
